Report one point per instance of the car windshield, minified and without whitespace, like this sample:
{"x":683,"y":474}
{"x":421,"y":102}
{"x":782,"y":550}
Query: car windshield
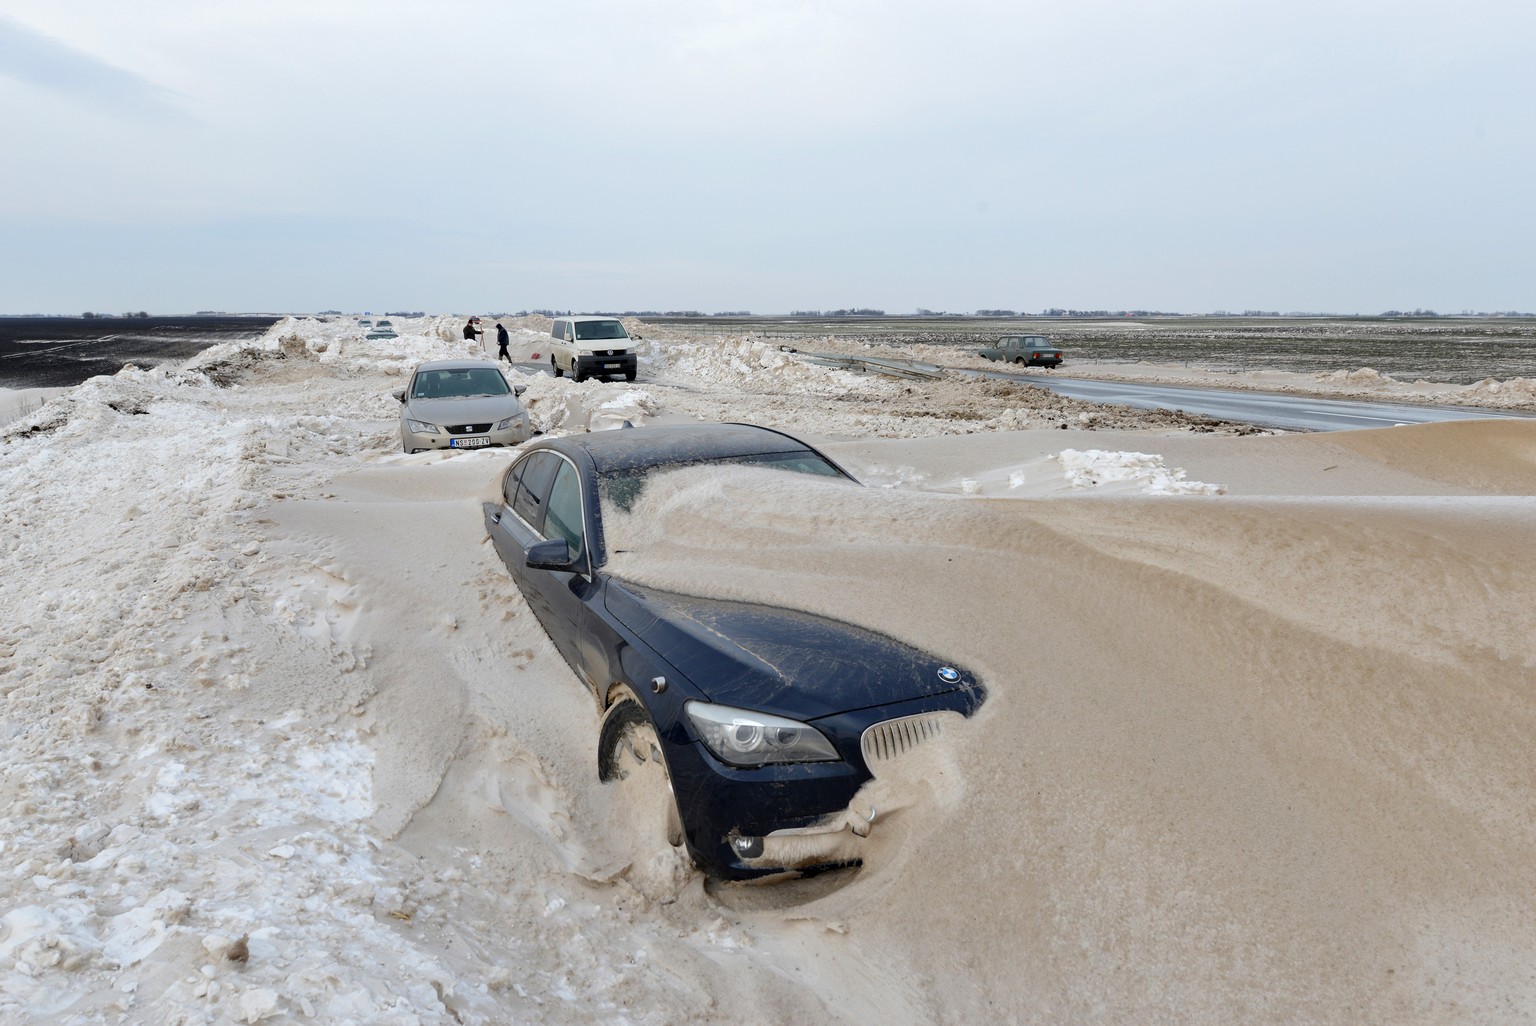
{"x":600,"y":329}
{"x":458,"y":384}
{"x":620,"y":491}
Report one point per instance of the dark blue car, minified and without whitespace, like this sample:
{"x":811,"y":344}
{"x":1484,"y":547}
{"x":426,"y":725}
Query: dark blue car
{"x":753,"y":729}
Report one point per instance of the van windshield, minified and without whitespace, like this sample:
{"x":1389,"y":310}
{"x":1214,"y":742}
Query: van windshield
{"x":600,"y":329}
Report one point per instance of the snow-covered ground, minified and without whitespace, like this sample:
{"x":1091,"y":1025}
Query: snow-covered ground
{"x":279,"y":741}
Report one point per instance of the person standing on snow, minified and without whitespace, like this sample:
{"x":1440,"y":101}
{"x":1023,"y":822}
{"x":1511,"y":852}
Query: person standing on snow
{"x":501,"y":343}
{"x":472,"y":329}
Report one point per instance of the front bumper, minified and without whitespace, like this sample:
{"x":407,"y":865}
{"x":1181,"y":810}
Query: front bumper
{"x":741,"y":824}
{"x":445,"y":438}
{"x":593,"y":365}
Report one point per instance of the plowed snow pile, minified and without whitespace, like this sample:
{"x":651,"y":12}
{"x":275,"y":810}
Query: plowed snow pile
{"x":279,"y":740}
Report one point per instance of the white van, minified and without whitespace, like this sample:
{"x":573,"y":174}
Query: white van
{"x":590,"y":347}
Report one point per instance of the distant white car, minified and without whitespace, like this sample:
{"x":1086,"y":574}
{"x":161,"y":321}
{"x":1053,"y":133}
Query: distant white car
{"x":591,"y":347}
{"x":383,"y":329}
{"x":461,"y":404}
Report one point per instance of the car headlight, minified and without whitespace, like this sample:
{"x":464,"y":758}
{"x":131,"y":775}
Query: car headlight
{"x":421,"y":427}
{"x":742,"y":737}
{"x":509,"y":422}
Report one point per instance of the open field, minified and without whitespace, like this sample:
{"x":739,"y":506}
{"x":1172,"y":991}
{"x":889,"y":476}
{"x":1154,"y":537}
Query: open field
{"x":1448,"y":349}
{"x":57,"y":352}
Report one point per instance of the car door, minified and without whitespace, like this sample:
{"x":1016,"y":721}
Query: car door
{"x":541,"y":500}
{"x":570,"y":348}
{"x":565,"y":598}
{"x":556,"y":342}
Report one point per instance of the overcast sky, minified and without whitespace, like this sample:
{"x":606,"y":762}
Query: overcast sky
{"x":487,"y":155}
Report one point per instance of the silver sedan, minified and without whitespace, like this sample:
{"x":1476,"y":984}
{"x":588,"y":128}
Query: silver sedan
{"x":461,"y":404}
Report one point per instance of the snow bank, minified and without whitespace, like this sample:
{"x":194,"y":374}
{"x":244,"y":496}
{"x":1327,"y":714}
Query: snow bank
{"x":750,"y":367}
{"x":1139,"y":471}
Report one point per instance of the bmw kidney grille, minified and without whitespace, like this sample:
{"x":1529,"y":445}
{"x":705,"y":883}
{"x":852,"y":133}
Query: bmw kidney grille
{"x":890,"y":740}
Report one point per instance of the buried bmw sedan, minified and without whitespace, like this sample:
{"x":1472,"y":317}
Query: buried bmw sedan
{"x":461,"y":404}
{"x":761,"y":729}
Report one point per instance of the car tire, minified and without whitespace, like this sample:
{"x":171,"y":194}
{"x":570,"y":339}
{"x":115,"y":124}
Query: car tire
{"x":1018,"y":359}
{"x":629,"y":754}
{"x":629,"y":375}
{"x":554,"y":367}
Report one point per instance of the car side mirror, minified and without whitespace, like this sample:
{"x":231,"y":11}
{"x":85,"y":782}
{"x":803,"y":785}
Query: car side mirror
{"x":553,"y":554}
{"x":519,"y":389}
{"x":399,"y":394}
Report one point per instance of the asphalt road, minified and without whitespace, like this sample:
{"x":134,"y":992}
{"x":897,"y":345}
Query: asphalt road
{"x":1264,"y":409}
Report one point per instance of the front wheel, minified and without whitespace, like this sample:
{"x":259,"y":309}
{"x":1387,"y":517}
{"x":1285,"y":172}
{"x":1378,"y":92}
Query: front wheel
{"x":629,"y":755}
{"x":629,"y":375}
{"x":554,"y":367}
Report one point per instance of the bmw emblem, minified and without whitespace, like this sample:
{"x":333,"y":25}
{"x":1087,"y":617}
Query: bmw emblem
{"x":949,"y":675}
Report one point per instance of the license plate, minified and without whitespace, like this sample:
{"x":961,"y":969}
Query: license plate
{"x":468,"y":443}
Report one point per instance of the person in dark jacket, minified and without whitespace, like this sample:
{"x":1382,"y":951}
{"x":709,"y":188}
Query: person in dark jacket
{"x":472,"y":329}
{"x":501,"y":343}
